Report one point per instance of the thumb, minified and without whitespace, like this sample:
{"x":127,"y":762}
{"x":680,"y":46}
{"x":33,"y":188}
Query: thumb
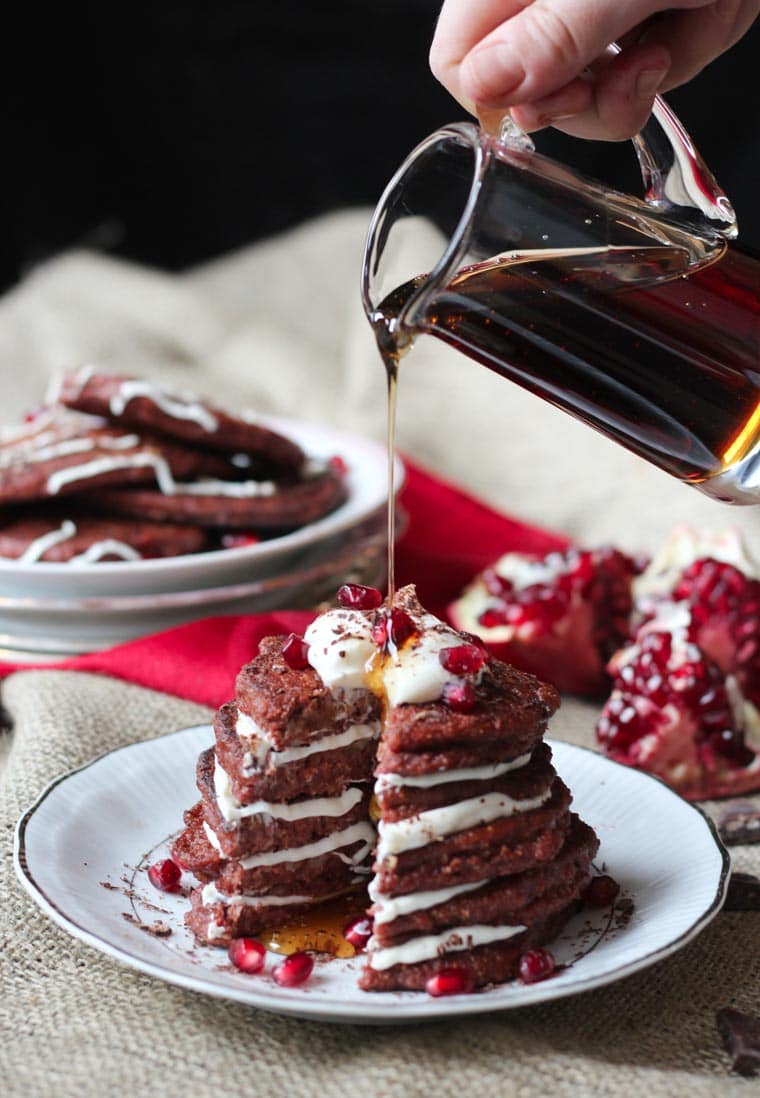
{"x":543,"y":47}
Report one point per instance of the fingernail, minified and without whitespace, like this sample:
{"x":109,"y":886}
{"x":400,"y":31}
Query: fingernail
{"x":493,"y":71}
{"x":648,"y":81}
{"x":543,"y":120}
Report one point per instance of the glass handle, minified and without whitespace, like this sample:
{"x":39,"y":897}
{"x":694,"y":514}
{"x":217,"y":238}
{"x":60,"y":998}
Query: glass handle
{"x":676,"y":178}
{"x":677,"y":182}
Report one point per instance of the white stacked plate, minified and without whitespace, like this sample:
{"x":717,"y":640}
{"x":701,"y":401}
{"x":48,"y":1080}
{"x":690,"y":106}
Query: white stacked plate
{"x":59,"y":609}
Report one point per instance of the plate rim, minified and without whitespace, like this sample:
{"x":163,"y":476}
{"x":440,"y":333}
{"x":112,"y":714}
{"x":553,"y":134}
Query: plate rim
{"x":384,"y":1011}
{"x":305,"y":568}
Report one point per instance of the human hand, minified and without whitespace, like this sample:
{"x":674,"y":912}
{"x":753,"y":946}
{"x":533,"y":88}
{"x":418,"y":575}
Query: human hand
{"x":544,"y":60}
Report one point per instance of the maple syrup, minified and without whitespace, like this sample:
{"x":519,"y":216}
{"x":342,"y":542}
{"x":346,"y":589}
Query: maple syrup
{"x":319,"y":930}
{"x":667,"y":365}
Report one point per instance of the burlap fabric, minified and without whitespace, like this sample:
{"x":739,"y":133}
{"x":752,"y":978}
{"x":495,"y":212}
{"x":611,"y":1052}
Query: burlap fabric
{"x":280,"y":319}
{"x":73,"y":1023}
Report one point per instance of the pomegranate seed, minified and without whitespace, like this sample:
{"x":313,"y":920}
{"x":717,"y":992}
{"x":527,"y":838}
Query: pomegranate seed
{"x":35,"y":413}
{"x":239,"y":540}
{"x":401,"y":627}
{"x":339,"y":464}
{"x":535,"y":965}
{"x":601,"y":891}
{"x":247,"y":954}
{"x":748,"y":650}
{"x":294,"y":970}
{"x":395,"y":627}
{"x":165,"y":875}
{"x":460,"y":696}
{"x":473,"y":638}
{"x":295,"y":652}
{"x":359,"y":932}
{"x":495,"y":584}
{"x":492,"y":618}
{"x":462,"y":659}
{"x":355,"y":596}
{"x":379,"y":631}
{"x":730,"y":743}
{"x":450,"y":981}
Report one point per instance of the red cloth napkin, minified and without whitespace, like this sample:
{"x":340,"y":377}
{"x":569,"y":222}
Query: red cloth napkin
{"x":450,"y":537}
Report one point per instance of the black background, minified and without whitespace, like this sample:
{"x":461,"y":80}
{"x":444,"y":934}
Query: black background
{"x":174,"y":132}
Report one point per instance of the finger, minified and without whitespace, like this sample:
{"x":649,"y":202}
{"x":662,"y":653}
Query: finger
{"x":544,"y":46}
{"x":694,"y":38}
{"x":459,"y":28}
{"x":620,"y":98}
{"x":576,"y":98}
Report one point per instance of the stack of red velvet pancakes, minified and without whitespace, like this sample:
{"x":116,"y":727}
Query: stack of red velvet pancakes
{"x":477,"y":857}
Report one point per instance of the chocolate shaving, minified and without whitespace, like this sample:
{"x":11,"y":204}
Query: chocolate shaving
{"x":157,"y":929}
{"x":743,"y":893}
{"x":623,"y":911}
{"x":740,"y":824}
{"x":741,"y":1039}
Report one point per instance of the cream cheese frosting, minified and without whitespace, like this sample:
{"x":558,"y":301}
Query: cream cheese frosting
{"x":341,"y":649}
{"x":344,"y":655}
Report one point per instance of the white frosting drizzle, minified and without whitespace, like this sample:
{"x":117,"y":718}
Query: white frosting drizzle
{"x":300,"y":810}
{"x":442,"y":777}
{"x":109,"y":464}
{"x":454,"y":940}
{"x":258,"y":740}
{"x":389,"y":908}
{"x":212,"y":895}
{"x":266,"y":756}
{"x":75,"y":383}
{"x":360,"y":832}
{"x":109,"y":547}
{"x":176,"y":405}
{"x":47,"y":452}
{"x":118,"y":442}
{"x":37,"y":549}
{"x":80,"y":379}
{"x":36,"y":433}
{"x":211,"y":836}
{"x":214,"y":931}
{"x":80,"y":445}
{"x":314,"y":467}
{"x":99,"y":549}
{"x":247,"y":728}
{"x":243,"y":489}
{"x":436,"y":823}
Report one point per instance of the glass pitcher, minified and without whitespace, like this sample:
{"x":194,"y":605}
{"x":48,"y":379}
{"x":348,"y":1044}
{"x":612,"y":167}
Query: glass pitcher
{"x":635,"y":315}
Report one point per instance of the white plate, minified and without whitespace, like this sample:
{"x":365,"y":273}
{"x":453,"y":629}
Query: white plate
{"x":81,"y":851}
{"x":50,"y":628}
{"x":367,"y":482}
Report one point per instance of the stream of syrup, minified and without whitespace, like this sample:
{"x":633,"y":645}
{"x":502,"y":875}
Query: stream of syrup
{"x":392,"y":347}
